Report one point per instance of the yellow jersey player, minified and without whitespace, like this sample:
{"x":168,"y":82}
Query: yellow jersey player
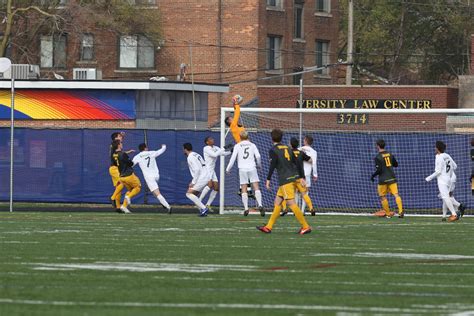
{"x":289,"y":172}
{"x":384,"y":164}
{"x":115,"y":174}
{"x":233,"y":122}
{"x":300,"y":156}
{"x":127,"y":176}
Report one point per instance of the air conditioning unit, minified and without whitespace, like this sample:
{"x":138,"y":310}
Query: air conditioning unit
{"x":86,"y":74}
{"x":22,"y":71}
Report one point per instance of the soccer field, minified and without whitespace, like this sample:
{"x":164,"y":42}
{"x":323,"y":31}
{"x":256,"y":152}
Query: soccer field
{"x":111,"y":264}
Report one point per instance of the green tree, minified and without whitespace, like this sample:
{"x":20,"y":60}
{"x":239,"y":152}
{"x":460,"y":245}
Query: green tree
{"x":410,"y":41}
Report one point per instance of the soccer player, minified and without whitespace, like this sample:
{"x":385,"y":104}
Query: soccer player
{"x":248,"y":159}
{"x":310,"y":169}
{"x":456,"y":204}
{"x":147,"y":161}
{"x":115,"y":174}
{"x":301,"y":157}
{"x":384,"y":164}
{"x":200,"y":175}
{"x":127,"y":177}
{"x":233,"y":122}
{"x":211,"y":153}
{"x":444,"y":169}
{"x":283,"y":160}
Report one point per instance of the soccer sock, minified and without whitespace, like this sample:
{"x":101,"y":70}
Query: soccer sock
{"x":163,"y":201}
{"x":118,"y":190}
{"x":303,"y":205}
{"x":283,"y":206}
{"x":258,"y":197}
{"x":212,"y":196}
{"x":308,"y":201}
{"x":245,"y":200}
{"x":131,"y":194}
{"x":455,"y":203}
{"x":385,"y":206}
{"x":445,"y":209}
{"x":449,"y":205}
{"x":274,"y":216}
{"x":204,"y":192}
{"x":398,"y":200}
{"x":299,"y":215}
{"x":118,"y":197}
{"x":195,"y":200}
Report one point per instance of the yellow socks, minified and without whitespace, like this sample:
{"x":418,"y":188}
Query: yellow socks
{"x":398,"y":200}
{"x":299,"y":215}
{"x":385,"y":207}
{"x":274,"y":217}
{"x":308,"y":201}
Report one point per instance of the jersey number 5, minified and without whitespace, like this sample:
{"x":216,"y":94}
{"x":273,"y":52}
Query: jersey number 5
{"x":246,"y":153}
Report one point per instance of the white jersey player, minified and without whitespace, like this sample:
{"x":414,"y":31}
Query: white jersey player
{"x":444,"y":170}
{"x":310,"y":166}
{"x":200,"y":174}
{"x":248,"y":159}
{"x":211,"y":153}
{"x":147,"y":161}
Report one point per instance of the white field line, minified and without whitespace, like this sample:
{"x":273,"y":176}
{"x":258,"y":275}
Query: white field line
{"x":413,"y":256}
{"x":239,"y":212}
{"x":223,"y":306}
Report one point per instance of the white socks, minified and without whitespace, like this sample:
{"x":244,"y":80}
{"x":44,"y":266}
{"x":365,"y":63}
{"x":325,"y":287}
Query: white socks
{"x":245,"y":200}
{"x":258,"y":197}
{"x":163,"y":201}
{"x":195,"y":200}
{"x":449,"y":205}
{"x":204,"y":192}
{"x":212,"y":196}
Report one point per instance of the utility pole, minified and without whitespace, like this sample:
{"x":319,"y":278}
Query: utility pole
{"x":350,"y":40}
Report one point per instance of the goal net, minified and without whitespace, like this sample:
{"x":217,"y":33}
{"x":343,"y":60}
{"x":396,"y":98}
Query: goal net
{"x":345,"y":143}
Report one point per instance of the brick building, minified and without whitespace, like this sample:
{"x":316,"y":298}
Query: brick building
{"x":218,"y":41}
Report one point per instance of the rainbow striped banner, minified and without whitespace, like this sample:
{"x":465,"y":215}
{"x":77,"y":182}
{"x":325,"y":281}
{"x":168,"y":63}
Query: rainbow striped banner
{"x":69,"y":104}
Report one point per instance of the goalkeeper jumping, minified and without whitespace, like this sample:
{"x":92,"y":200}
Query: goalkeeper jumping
{"x":233,"y":122}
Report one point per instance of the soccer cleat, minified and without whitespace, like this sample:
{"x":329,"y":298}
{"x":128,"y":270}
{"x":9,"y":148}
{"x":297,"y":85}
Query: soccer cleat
{"x":128,"y":200}
{"x":262,"y":211}
{"x":118,"y":210}
{"x":443,"y":219}
{"x":401,"y":215}
{"x":264,"y":229}
{"x":169,"y":211}
{"x":113,"y":204}
{"x":125,"y":210}
{"x":203,"y":213}
{"x":283,"y":213}
{"x":462,"y":208}
{"x":453,"y":218}
{"x":304,"y":231}
{"x":313,"y":212}
{"x":246,"y":212}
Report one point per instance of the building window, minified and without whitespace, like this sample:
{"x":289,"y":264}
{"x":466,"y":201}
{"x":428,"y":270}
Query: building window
{"x":323,"y":6}
{"x":136,"y":51}
{"x":298,"y":77}
{"x":275,"y":3}
{"x":322,"y":56}
{"x":273,"y":53}
{"x":53,"y":51}
{"x":87,"y":47}
{"x":298,"y":33}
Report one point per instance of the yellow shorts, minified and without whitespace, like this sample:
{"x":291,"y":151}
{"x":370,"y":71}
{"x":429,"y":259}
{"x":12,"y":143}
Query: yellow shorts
{"x":384,"y":189}
{"x":114,"y":174}
{"x":131,"y":182}
{"x":300,"y":187}
{"x":287,"y":191}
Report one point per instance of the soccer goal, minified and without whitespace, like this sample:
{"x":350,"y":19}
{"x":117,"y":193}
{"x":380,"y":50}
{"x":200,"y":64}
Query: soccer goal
{"x":345,"y":143}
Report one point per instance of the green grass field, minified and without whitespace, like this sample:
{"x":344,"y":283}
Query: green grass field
{"x":112,"y":264}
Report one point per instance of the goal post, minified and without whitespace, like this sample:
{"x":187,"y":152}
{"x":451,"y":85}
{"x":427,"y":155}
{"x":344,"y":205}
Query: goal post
{"x":345,"y":142}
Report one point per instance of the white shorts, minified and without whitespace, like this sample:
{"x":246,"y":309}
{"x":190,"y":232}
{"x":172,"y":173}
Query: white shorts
{"x":213,"y":177}
{"x":247,"y":176}
{"x":152,"y":182}
{"x":444,"y":189}
{"x":308,"y":181}
{"x":201,"y":183}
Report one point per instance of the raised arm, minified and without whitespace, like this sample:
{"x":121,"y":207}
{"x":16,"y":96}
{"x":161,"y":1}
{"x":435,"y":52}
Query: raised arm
{"x":232,"y":159}
{"x":159,"y":152}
